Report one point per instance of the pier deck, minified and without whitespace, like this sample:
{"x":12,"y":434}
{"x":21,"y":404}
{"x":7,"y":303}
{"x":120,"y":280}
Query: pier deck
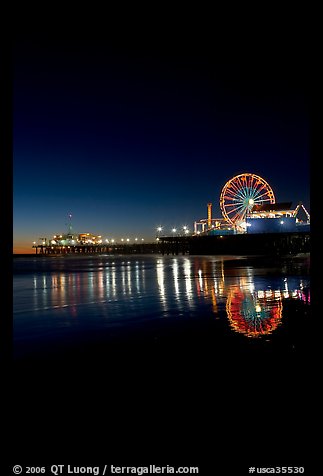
{"x":240,"y":244}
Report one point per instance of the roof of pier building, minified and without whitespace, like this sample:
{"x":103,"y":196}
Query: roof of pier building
{"x":272,"y":207}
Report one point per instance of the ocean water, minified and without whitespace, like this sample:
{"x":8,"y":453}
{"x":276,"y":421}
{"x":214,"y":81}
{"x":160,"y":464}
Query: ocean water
{"x":137,"y":355}
{"x":65,"y":306}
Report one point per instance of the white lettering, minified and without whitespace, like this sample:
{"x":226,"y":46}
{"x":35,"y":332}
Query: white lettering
{"x":57,"y":469}
{"x":115,"y":469}
{"x":83,"y":470}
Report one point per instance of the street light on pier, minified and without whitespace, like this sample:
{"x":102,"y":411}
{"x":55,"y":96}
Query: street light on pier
{"x":159,"y":229}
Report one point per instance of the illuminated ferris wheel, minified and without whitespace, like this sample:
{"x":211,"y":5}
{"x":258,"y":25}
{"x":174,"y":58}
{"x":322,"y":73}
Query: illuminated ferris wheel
{"x":241,"y":193}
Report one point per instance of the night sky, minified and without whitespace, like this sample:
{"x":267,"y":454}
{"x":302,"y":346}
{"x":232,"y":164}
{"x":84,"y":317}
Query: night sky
{"x":130,"y":134}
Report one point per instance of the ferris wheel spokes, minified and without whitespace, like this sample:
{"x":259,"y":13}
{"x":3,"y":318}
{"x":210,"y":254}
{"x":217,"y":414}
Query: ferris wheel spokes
{"x":241,"y":193}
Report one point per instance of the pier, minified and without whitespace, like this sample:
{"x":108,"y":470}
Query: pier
{"x":238,"y":244}
{"x":87,"y":249}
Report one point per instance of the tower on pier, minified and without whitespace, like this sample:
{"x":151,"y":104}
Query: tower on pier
{"x":209,"y":215}
{"x":70,"y":228}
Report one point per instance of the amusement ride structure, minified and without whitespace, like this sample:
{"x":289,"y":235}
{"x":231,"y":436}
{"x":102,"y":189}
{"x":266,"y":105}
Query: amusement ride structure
{"x":240,"y":194}
{"x":244,"y":196}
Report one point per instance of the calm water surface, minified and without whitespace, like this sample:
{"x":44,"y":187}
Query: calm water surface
{"x":60,"y":301}
{"x":121,"y":356}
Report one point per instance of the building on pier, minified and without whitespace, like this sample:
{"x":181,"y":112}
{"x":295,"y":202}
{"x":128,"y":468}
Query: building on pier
{"x":277,"y":218}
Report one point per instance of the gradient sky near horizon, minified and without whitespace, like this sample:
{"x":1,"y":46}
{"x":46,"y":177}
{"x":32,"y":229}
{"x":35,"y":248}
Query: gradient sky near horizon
{"x":131,"y":135}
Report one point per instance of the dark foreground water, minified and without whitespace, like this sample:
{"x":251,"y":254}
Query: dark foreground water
{"x":201,"y":358}
{"x":66,"y":307}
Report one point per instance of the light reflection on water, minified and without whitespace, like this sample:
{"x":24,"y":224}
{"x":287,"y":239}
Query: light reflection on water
{"x":253,"y":314}
{"x":97,"y":290}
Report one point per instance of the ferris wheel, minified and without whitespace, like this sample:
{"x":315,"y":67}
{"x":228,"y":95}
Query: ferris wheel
{"x":241,"y":193}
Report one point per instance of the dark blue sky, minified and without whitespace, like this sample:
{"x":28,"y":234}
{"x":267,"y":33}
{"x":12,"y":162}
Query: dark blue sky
{"x":128,"y":135}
